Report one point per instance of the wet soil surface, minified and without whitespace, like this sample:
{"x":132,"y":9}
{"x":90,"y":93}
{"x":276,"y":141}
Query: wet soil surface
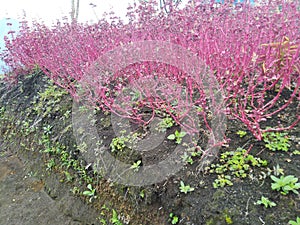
{"x":25,"y":200}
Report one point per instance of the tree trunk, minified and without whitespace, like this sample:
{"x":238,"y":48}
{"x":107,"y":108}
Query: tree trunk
{"x":74,"y":11}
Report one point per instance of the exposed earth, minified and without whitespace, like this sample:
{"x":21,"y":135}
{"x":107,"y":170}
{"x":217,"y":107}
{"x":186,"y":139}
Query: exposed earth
{"x":39,"y":186}
{"x":25,"y":198}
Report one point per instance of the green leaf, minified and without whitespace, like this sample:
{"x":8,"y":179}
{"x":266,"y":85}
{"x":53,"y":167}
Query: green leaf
{"x":275,"y":186}
{"x":171,"y":137}
{"x":297,"y":222}
{"x":274,"y":178}
{"x":290,"y":179}
{"x":182,"y":134}
{"x":297,"y":186}
{"x":291,"y":222}
{"x":88,"y":193}
{"x":175,"y":220}
{"x":272,"y":204}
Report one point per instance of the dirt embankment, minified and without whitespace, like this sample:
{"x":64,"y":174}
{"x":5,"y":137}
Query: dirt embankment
{"x":43,"y":176}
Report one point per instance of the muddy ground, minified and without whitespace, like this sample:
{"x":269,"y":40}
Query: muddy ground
{"x":37,"y":187}
{"x":25,"y":197}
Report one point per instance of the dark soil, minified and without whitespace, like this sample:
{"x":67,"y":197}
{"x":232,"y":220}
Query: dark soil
{"x":31,"y":197}
{"x":44,"y":197}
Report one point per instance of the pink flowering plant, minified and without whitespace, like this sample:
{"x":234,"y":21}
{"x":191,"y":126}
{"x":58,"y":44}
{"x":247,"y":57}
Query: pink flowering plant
{"x":252,"y":51}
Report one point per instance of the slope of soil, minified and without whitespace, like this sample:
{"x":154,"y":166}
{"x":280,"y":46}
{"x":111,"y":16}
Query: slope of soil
{"x":35,"y":180}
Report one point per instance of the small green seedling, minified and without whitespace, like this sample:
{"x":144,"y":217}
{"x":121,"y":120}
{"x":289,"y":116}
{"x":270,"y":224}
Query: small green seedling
{"x":165,"y":123}
{"x":222,"y":181}
{"x":295,"y":222}
{"x":174,"y":219}
{"x":135,"y":166}
{"x":185,"y":188}
{"x":296,"y":152}
{"x":285,"y":184}
{"x":68,"y":176}
{"x":47,"y":129}
{"x":266,"y":202}
{"x":189,"y":154}
{"x":135,"y":96}
{"x":118,"y":143}
{"x":142,"y":193}
{"x":239,"y":164}
{"x":50,"y":164}
{"x":75,"y":190}
{"x":187,"y":158}
{"x":91,"y":192}
{"x":115,"y":219}
{"x":178,"y":135}
{"x":276,"y":141}
{"x":277,"y":170}
{"x":241,"y":133}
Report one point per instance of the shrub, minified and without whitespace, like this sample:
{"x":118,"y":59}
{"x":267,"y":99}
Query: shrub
{"x":252,"y":51}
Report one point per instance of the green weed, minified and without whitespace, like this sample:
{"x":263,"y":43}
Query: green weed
{"x":276,"y":141}
{"x":91,"y":192}
{"x":165,"y":123}
{"x":173,"y":218}
{"x":266,"y":202}
{"x":185,"y":188}
{"x":295,"y":222}
{"x":241,"y":133}
{"x":115,"y":219}
{"x":136,"y":165}
{"x":177,"y":136}
{"x":285,"y":184}
{"x":234,"y":163}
